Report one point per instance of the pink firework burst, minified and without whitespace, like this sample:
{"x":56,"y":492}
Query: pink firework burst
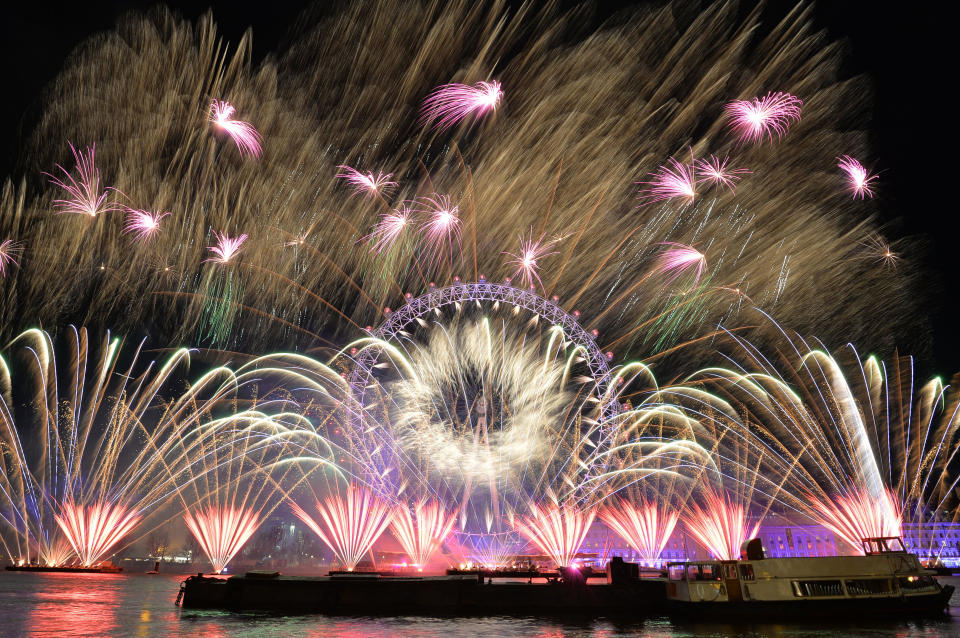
{"x":526,"y":261}
{"x":226,"y":247}
{"x":716,"y":172}
{"x":645,"y":527}
{"x":720,"y":525}
{"x":753,"y":120}
{"x":142,"y":224}
{"x":9,"y":252}
{"x":366,"y":183}
{"x":442,"y":226}
{"x":244,"y":135}
{"x":558,"y":531}
{"x":680,"y":259}
{"x":675,"y":180}
{"x":222,"y":531}
{"x":350,"y":526}
{"x":84,"y":196}
{"x":858,"y":515}
{"x":93,"y":530}
{"x":390,"y":227}
{"x":451,"y":103}
{"x":857,"y":176}
{"x":422,"y":531}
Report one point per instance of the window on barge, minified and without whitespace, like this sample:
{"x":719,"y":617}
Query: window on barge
{"x":816,"y":588}
{"x":916,"y":584}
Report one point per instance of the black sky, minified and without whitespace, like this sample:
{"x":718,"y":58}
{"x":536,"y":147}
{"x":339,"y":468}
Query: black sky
{"x":904,"y":50}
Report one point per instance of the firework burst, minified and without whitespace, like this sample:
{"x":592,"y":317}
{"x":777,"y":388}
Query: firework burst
{"x":9,"y":252}
{"x":390,"y":228}
{"x":142,"y":224}
{"x":646,"y":526}
{"x":451,"y":103}
{"x":715,"y":172}
{"x":678,"y":260}
{"x":720,"y":525}
{"x":226,"y":247}
{"x":674,"y":181}
{"x":350,"y":526}
{"x":766,"y":117}
{"x":84,"y":195}
{"x":527,"y":259}
{"x":859,"y":515}
{"x":441,"y":229}
{"x":93,"y":530}
{"x":557,"y":531}
{"x":366,"y":183}
{"x":857,"y":177}
{"x":222,"y":531}
{"x":243,"y":134}
{"x":422,"y":531}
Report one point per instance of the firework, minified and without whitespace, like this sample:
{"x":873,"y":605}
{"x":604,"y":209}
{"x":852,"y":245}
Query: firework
{"x":715,"y":171}
{"x":244,"y":135}
{"x":84,"y":195}
{"x":221,"y":532}
{"x":675,"y":181}
{"x":441,"y":228}
{"x":858,"y":516}
{"x":766,"y":117}
{"x":557,"y":531}
{"x":678,"y":260}
{"x":367,"y":183}
{"x":350,"y":526}
{"x":9,"y":251}
{"x":226,"y":247}
{"x":142,"y":224}
{"x":451,"y":103}
{"x":93,"y":530}
{"x":527,"y":260}
{"x":857,"y":176}
{"x":390,"y":227}
{"x":720,"y":525}
{"x":423,"y":531}
{"x":646,"y":527}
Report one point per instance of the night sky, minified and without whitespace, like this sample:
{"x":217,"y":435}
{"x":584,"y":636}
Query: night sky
{"x":903,"y":51}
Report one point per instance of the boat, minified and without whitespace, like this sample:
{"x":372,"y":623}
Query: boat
{"x":886,"y":580}
{"x":101,"y":568}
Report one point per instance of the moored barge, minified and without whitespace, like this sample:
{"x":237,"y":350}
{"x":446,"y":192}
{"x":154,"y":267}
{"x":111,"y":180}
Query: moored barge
{"x":103,"y":568}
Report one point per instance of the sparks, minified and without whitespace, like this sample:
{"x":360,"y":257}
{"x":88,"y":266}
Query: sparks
{"x":422,"y":531}
{"x":9,"y":252}
{"x":558,"y":531}
{"x":442,"y":226}
{"x":244,"y":135}
{"x":716,"y":172}
{"x":527,"y":259}
{"x":720,"y":525}
{"x":669,"y":182}
{"x":390,"y":227}
{"x":366,"y":182}
{"x":93,"y":530}
{"x":222,"y":531}
{"x":451,"y":103}
{"x":84,"y":196}
{"x":351,"y":526}
{"x":142,"y":224}
{"x":753,"y":120}
{"x":646,"y":527}
{"x":226,"y":247}
{"x":857,"y":176}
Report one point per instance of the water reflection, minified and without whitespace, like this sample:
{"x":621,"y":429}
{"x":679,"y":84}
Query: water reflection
{"x":81,"y":604}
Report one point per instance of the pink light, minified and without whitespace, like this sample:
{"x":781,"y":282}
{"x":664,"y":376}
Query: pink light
{"x":423,"y":531}
{"x":366,"y":182}
{"x":390,"y":228}
{"x":680,"y":259}
{"x":350,"y":526}
{"x":716,"y":172}
{"x":222,"y":531}
{"x":859,"y":515}
{"x":83,"y":194}
{"x":669,"y":182}
{"x":9,"y":252}
{"x":143,"y":224}
{"x":451,"y":103}
{"x":442,"y":226}
{"x":720,"y":526}
{"x":646,"y":527}
{"x":226,"y":247}
{"x":92,"y":530}
{"x":526,"y":261}
{"x":857,"y":176}
{"x":752,"y":120}
{"x":244,"y":135}
{"x":557,"y":531}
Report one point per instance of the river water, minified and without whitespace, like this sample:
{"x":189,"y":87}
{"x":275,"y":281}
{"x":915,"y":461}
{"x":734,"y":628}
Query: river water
{"x":62,"y":605}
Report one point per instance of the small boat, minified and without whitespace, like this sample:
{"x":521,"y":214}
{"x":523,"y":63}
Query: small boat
{"x":156,"y":568}
{"x":885,"y":580}
{"x":101,"y":568}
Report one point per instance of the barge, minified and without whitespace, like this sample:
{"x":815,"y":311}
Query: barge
{"x":103,"y":568}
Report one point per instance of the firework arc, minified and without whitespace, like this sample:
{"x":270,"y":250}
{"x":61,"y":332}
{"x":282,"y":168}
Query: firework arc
{"x":460,"y":293}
